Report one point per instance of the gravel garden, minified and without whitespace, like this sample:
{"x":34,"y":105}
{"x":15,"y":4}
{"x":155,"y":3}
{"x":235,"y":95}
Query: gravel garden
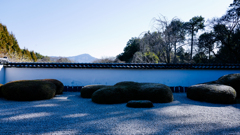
{"x":41,"y":107}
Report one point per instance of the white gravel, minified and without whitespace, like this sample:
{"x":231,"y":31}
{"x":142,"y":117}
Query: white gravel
{"x":71,"y":114}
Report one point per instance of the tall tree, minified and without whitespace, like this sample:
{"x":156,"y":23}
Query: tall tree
{"x":206,"y":43}
{"x":177,"y":34}
{"x":33,"y":56}
{"x":192,"y":27}
{"x":170,"y":33}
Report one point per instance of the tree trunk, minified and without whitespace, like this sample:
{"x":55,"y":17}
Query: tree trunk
{"x":192,"y":44}
{"x":175,"y":52}
{"x":209,"y":54}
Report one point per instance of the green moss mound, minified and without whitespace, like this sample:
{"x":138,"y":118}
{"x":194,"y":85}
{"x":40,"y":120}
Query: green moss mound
{"x":140,"y":104}
{"x":87,"y":91}
{"x":29,"y":90}
{"x":232,"y":80}
{"x":1,"y":90}
{"x":59,"y":85}
{"x":213,"y":93}
{"x":125,"y":91}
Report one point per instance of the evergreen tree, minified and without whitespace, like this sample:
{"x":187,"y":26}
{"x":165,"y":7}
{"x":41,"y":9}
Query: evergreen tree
{"x":33,"y":55}
{"x":192,"y":27}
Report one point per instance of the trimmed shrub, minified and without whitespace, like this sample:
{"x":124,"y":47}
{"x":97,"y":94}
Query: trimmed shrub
{"x":157,"y":93}
{"x":125,"y":91}
{"x":1,"y":90}
{"x":109,"y":95}
{"x":87,"y":91}
{"x":59,"y":85}
{"x":129,"y":90}
{"x":232,"y":80}
{"x":213,"y":93}
{"x":29,"y":90}
{"x":140,"y":104}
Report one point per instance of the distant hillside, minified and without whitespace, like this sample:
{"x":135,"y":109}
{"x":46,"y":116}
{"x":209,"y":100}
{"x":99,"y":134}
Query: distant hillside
{"x":83,"y":58}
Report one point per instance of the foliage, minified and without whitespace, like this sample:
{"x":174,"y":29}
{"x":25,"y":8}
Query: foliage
{"x":206,"y":43}
{"x":192,"y":27}
{"x":219,"y":44}
{"x":200,"y":58}
{"x":224,"y":36}
{"x":130,"y":49}
{"x":9,"y":47}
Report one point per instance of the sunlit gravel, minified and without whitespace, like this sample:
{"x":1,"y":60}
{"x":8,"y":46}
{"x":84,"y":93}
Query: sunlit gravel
{"x":71,"y":114}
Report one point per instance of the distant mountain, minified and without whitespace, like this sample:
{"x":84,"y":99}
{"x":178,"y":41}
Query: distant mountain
{"x":83,"y":58}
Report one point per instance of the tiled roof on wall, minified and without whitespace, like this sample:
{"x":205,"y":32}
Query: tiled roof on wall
{"x":122,"y":65}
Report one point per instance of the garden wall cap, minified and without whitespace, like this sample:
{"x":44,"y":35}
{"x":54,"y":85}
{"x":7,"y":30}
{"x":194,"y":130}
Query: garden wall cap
{"x":122,"y":65}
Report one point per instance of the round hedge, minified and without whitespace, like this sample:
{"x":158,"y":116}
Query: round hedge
{"x":109,"y":95}
{"x":140,"y":104}
{"x":125,"y":91}
{"x":87,"y":91}
{"x":157,"y":93}
{"x":29,"y":90}
{"x":213,"y":93}
{"x":59,"y":85}
{"x":232,"y":80}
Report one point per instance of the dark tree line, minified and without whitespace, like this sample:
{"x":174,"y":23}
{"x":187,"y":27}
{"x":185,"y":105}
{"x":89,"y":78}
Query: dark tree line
{"x":218,"y":44}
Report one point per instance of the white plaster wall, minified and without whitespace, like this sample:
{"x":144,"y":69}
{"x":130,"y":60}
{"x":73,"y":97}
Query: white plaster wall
{"x":82,"y":77}
{"x":2,"y":73}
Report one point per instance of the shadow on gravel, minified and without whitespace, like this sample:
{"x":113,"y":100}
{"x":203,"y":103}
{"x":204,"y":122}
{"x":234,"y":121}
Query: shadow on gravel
{"x":71,"y":114}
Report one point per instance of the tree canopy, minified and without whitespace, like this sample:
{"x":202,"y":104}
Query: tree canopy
{"x":219,"y":43}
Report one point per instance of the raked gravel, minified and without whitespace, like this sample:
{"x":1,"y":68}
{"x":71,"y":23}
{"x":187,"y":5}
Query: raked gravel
{"x":71,"y":114}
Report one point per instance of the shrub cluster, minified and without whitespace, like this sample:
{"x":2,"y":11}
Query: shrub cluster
{"x":125,"y":91}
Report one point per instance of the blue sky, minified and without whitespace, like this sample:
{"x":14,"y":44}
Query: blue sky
{"x":100,"y":28}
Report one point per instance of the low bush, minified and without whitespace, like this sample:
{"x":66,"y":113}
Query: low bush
{"x":28,"y":90}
